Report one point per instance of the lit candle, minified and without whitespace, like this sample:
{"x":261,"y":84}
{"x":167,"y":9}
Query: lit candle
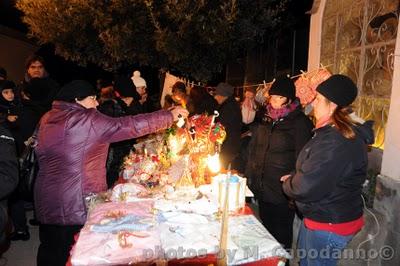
{"x":213,"y":163}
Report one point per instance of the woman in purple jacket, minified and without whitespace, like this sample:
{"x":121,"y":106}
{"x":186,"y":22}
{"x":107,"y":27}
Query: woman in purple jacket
{"x":73,"y":140}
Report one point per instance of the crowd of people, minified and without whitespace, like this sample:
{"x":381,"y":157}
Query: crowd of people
{"x":21,"y":107}
{"x":83,"y":133}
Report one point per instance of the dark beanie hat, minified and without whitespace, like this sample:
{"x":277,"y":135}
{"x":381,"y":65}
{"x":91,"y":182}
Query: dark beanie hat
{"x":283,"y":86}
{"x":224,"y":89}
{"x":6,"y":84}
{"x":339,"y":89}
{"x":125,"y":87}
{"x":77,"y":89}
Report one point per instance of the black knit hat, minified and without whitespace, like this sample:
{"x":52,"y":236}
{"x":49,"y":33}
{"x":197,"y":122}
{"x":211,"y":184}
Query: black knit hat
{"x":339,"y":89}
{"x":77,"y":89}
{"x":283,"y":86}
{"x":6,"y":84}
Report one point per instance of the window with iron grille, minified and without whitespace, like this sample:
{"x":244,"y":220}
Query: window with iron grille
{"x":358,"y":40}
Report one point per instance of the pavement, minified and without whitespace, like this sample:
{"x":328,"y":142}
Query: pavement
{"x":23,"y":253}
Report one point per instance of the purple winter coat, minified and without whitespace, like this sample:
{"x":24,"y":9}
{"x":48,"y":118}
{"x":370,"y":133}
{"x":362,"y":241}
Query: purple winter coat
{"x":72,"y":151}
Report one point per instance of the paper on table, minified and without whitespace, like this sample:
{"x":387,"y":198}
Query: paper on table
{"x":249,"y":241}
{"x":189,"y":239}
{"x":202,"y":206}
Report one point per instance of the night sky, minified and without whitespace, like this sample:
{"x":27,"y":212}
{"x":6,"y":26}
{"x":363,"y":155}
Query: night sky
{"x":10,"y":16}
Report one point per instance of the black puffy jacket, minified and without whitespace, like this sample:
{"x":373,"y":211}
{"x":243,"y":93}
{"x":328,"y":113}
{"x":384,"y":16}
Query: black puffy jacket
{"x":8,"y":163}
{"x":330,"y":171}
{"x":273,"y":150}
{"x":8,"y":174}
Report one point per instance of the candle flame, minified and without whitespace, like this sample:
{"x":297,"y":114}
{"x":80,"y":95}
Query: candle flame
{"x":213,"y":163}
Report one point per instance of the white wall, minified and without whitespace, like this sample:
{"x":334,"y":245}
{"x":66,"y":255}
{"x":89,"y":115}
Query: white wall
{"x":391,"y":154}
{"x":315,"y":39}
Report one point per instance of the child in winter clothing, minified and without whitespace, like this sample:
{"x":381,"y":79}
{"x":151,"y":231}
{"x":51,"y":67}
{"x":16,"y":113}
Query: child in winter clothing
{"x":9,"y":108}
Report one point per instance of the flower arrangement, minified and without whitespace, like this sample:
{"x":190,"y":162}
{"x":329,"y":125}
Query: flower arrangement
{"x":144,"y":169}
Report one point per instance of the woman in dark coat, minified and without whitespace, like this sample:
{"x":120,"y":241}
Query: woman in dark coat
{"x":330,"y":171}
{"x":273,"y":150}
{"x":73,"y":141}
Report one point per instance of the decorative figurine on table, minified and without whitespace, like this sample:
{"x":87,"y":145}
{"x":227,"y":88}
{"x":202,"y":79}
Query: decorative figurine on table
{"x":186,"y":179}
{"x":208,"y":137}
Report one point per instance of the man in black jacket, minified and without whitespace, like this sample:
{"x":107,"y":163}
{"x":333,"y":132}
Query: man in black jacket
{"x":8,"y":177}
{"x":230,"y":117}
{"x":47,"y":88}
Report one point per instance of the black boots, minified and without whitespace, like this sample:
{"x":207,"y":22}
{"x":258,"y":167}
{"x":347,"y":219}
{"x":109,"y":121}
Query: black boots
{"x":20,"y":235}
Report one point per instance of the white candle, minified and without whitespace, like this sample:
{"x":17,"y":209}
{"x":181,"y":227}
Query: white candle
{"x":216,"y":114}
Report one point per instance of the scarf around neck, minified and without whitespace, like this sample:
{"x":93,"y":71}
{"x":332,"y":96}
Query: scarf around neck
{"x":276,"y":114}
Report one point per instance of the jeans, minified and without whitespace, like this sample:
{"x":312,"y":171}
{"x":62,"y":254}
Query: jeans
{"x":320,"y":248}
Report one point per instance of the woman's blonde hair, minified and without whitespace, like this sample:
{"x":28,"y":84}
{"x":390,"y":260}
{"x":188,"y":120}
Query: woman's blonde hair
{"x":343,"y":122}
